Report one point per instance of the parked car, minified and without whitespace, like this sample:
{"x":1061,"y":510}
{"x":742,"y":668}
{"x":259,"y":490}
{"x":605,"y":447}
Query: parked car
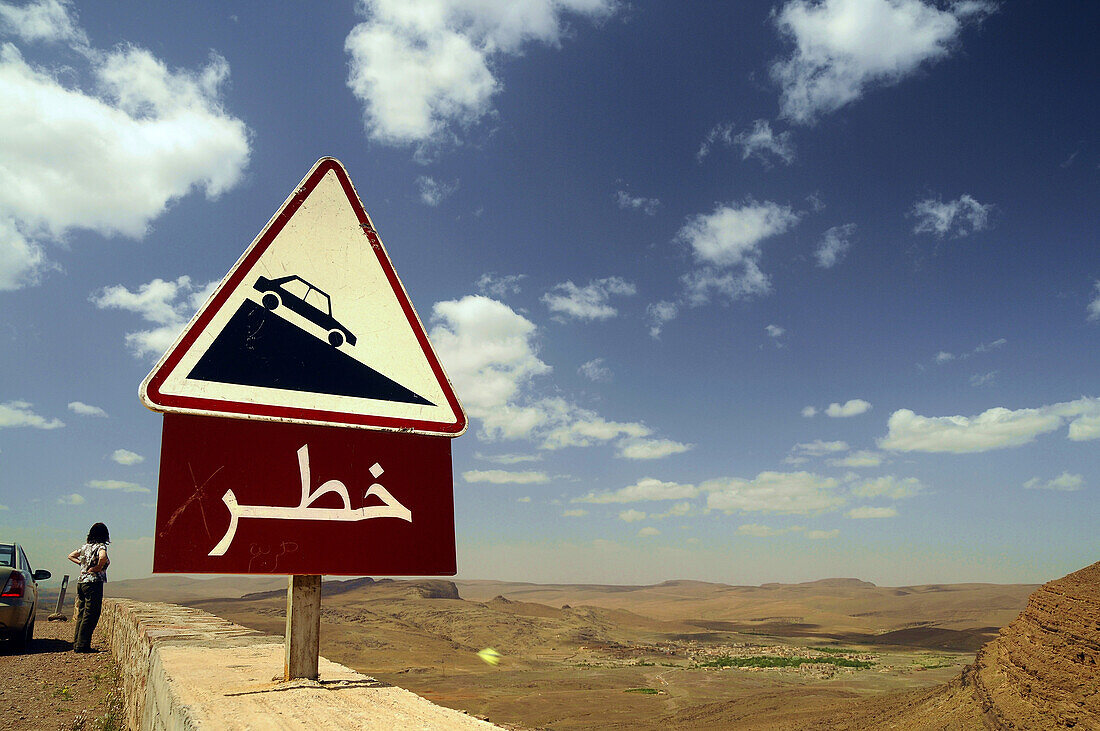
{"x":18,"y":595}
{"x":312,"y":303}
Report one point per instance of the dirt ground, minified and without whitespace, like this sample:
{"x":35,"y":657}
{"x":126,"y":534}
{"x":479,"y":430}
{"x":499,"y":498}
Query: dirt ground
{"x":50,"y":687}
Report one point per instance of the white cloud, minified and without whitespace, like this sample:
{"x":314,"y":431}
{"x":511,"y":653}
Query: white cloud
{"x":628,"y":202}
{"x":774,"y":331}
{"x":774,"y":492}
{"x":862,"y":458}
{"x":679,"y":510}
{"x":1064,"y":482}
{"x":732,"y":233}
{"x":109,"y":160}
{"x":765,"y":145}
{"x":50,"y":21}
{"x":119,"y":485}
{"x":646,"y":489}
{"x":659,"y":313}
{"x":996,"y":428}
{"x":819,"y":447}
{"x":853,"y":407}
{"x":809,"y":411}
{"x":763,"y":531}
{"x":978,"y":380}
{"x":504,"y":477}
{"x":960,"y":217}
{"x":632,"y":515}
{"x":72,"y":499}
{"x":589,"y":302}
{"x":19,"y":413}
{"x":835,"y":243}
{"x":433,"y":192}
{"x":167,"y":304}
{"x":720,"y":133}
{"x":493,"y":286}
{"x":422,"y":69}
{"x":648,"y":531}
{"x":943,"y":357}
{"x":575,"y":513}
{"x":888,"y":486}
{"x":822,"y":535}
{"x":126,"y":457}
{"x":866,"y":512}
{"x":490,"y":354}
{"x":509,"y":458}
{"x":1094,"y":306}
{"x":595,"y":370}
{"x":79,"y":407}
{"x":844,"y":47}
{"x":637,"y":448}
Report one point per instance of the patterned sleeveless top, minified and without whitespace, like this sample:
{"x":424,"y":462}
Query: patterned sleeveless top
{"x":89,"y":557}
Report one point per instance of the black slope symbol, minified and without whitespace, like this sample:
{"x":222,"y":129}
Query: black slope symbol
{"x":259,"y":348}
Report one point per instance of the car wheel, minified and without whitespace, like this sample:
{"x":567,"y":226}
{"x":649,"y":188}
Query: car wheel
{"x":271,"y":300}
{"x":335,"y":338}
{"x":22,"y":641}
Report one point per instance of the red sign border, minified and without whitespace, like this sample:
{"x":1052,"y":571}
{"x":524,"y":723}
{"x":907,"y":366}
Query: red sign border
{"x":155,"y":399}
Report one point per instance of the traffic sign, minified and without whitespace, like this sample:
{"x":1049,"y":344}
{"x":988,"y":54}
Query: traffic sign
{"x":311,"y":325}
{"x":241,"y":496}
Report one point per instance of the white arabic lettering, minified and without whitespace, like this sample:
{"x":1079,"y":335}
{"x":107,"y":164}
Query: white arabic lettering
{"x":390,"y":508}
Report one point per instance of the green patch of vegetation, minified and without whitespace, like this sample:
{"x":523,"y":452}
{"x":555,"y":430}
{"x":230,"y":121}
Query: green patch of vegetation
{"x":839,"y":650}
{"x":644,"y":691}
{"x":771,"y":661}
{"x":114,"y":719}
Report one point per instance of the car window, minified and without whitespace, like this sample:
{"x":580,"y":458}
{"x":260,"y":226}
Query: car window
{"x":24,"y":564}
{"x":296,"y":287}
{"x":318,"y":299}
{"x":7,"y":554}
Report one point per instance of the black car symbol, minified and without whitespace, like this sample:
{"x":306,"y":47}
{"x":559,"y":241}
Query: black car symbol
{"x":300,"y":296}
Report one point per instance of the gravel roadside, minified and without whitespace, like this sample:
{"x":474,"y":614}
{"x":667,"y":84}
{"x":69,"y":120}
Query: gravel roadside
{"x":51,"y":687}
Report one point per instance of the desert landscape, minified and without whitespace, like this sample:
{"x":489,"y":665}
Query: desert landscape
{"x":836,"y":653}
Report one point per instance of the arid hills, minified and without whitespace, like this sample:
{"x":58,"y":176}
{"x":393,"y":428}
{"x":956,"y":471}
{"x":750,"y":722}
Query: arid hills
{"x":837,"y":653}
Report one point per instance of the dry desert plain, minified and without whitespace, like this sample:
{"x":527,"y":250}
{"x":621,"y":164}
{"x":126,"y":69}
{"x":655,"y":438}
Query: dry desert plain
{"x":836,"y":653}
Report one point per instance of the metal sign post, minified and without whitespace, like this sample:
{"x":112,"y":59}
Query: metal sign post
{"x":57,"y":616}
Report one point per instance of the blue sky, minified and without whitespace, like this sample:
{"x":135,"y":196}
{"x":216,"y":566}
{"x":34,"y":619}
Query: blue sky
{"x":740,"y":292}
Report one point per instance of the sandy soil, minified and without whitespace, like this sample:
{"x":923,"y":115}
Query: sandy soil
{"x":50,"y":687}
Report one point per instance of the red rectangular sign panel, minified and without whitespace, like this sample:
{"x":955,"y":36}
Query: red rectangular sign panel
{"x":257,"y":497}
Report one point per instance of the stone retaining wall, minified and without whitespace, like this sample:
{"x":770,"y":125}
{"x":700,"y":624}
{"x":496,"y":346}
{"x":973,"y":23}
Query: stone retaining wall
{"x":184,"y":669}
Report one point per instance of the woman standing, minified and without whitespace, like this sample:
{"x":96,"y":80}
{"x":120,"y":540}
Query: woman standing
{"x":93,"y":561}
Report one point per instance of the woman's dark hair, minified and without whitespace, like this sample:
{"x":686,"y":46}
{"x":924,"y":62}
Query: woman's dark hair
{"x":99,"y":534}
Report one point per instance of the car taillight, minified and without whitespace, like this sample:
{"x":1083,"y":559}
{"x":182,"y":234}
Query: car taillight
{"x":15,"y":587}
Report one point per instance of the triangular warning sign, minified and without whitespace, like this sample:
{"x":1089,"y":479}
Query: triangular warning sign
{"x":311,"y":325}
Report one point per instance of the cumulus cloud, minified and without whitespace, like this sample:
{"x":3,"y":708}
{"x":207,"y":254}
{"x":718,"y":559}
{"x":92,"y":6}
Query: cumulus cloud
{"x":166,"y":304}
{"x":590,"y":302}
{"x":727,"y":245}
{"x":957,"y":218}
{"x":504,"y":477}
{"x":628,"y":202}
{"x":889,"y":486}
{"x":1064,"y":482}
{"x":595,"y":370}
{"x":421,"y":70}
{"x":996,"y":428}
{"x":118,"y":485}
{"x":108,"y":159}
{"x":648,"y":531}
{"x":853,"y":407}
{"x":632,"y":515}
{"x":126,"y":457}
{"x":637,"y":448}
{"x":774,"y":331}
{"x":490,"y":352}
{"x":20,"y":413}
{"x":835,"y":243}
{"x":491,"y":285}
{"x":79,"y":407}
{"x":718,"y":134}
{"x":862,"y":458}
{"x":844,"y":47}
{"x":658,"y":314}
{"x":432,"y":191}
{"x":646,"y":489}
{"x":809,"y":411}
{"x":1094,"y":306}
{"x":774,"y":492}
{"x":866,"y":511}
{"x":763,"y":144}
{"x":71,"y":499}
